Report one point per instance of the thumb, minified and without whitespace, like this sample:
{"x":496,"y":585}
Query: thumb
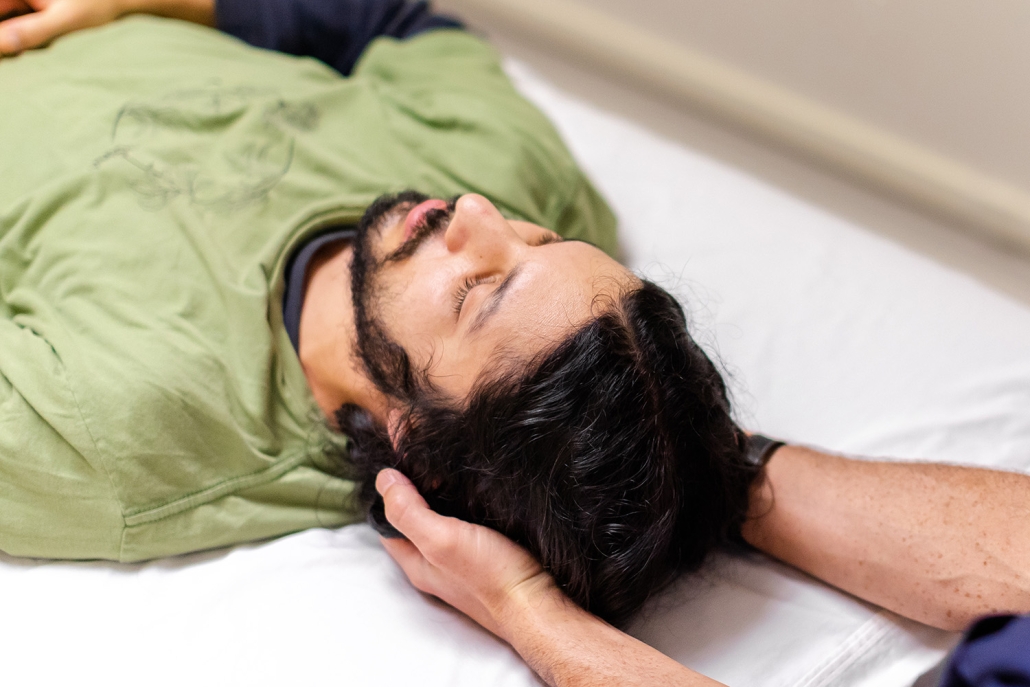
{"x":407,"y":510}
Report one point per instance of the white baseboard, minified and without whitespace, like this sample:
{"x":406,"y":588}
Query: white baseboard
{"x":902,"y":168}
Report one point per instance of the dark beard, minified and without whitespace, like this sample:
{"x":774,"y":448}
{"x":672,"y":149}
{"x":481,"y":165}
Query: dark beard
{"x":385,"y":361}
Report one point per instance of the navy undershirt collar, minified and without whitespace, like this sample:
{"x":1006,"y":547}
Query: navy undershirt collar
{"x":296,"y":277}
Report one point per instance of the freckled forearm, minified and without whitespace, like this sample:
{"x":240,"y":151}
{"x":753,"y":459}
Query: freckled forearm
{"x":568,"y":647}
{"x":939,"y":544}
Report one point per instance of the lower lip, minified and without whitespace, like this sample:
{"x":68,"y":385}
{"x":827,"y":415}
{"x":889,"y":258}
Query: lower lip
{"x":417,"y":213}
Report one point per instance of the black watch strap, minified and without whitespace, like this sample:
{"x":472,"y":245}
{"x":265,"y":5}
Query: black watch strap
{"x":760,"y":449}
{"x":757,"y":454}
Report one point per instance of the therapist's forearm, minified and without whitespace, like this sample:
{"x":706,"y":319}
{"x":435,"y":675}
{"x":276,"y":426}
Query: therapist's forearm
{"x":196,"y":11}
{"x":935,"y":543}
{"x":568,"y":647}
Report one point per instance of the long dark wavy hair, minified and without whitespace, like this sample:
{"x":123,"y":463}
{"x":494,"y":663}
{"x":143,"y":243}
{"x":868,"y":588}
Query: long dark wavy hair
{"x":612,"y":458}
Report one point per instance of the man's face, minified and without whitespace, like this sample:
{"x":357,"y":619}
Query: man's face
{"x":460,"y":290}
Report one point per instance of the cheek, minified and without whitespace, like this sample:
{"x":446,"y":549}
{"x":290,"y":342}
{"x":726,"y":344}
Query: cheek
{"x":420,"y":318}
{"x":416,"y":308}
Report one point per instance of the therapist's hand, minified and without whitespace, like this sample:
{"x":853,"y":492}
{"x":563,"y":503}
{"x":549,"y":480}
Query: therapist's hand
{"x":12,"y":7}
{"x":501,"y":587}
{"x":49,"y":19}
{"x":476,"y":570}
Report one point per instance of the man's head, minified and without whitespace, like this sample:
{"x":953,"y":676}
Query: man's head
{"x":447,"y":292}
{"x":560,"y":400}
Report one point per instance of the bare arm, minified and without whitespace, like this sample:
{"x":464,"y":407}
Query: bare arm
{"x":500,"y":586}
{"x":52,"y":18}
{"x":936,"y":543}
{"x":567,"y":646}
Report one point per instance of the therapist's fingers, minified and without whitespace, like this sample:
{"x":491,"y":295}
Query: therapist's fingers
{"x":54,"y":18}
{"x":35,"y":29}
{"x":407,"y":511}
{"x":10,"y":37}
{"x":420,"y":552}
{"x":415,"y":566}
{"x":10,"y":8}
{"x":410,"y":514}
{"x":405,"y":553}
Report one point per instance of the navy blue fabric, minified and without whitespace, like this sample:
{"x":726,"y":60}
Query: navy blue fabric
{"x":333,"y":31}
{"x":296,"y":278}
{"x":994,"y":653}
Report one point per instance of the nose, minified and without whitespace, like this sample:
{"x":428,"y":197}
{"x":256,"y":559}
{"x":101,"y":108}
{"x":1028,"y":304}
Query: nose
{"x":479,"y":229}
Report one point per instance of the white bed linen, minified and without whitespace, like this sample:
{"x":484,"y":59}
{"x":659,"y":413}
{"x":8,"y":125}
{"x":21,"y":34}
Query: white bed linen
{"x":832,"y":337}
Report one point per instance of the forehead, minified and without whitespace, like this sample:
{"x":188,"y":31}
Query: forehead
{"x":557,"y":291}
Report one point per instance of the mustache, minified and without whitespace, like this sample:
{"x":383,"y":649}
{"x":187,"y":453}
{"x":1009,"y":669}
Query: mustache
{"x":386,"y":206}
{"x":433,"y":222}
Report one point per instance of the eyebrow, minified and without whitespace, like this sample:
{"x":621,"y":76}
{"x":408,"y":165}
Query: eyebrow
{"x":493,"y":303}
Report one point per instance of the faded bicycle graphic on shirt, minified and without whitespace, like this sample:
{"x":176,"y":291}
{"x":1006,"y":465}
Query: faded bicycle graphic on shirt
{"x":219,"y":148}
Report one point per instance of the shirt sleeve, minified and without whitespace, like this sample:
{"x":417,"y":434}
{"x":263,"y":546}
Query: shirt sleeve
{"x":333,"y":31}
{"x":994,"y":652}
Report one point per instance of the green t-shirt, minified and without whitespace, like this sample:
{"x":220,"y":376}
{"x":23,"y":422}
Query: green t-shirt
{"x":154,"y":176}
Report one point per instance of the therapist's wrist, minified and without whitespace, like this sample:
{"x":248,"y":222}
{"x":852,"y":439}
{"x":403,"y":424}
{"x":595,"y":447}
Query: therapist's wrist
{"x":560,"y":641}
{"x":528,"y":606}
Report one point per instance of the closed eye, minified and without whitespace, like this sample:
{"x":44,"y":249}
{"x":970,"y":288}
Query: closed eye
{"x":472,"y":282}
{"x":544,"y":239}
{"x":463,"y":291}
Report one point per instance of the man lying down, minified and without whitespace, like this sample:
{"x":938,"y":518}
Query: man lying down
{"x":223,"y":319}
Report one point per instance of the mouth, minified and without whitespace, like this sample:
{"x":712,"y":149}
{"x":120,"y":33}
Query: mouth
{"x":417,"y":215}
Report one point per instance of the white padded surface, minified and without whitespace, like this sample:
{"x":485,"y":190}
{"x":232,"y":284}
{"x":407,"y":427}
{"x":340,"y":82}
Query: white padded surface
{"x":832,"y":337}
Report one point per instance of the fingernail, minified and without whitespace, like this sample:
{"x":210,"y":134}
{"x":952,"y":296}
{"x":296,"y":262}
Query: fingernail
{"x":385,"y":479}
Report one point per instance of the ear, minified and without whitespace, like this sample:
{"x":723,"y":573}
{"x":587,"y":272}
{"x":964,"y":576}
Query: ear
{"x":393,"y":426}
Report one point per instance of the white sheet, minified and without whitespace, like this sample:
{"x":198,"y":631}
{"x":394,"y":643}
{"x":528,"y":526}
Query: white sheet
{"x":832,"y":336}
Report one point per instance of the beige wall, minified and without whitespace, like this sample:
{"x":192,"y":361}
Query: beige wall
{"x":924,"y":101}
{"x":870,"y":59}
{"x":953,"y":75}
